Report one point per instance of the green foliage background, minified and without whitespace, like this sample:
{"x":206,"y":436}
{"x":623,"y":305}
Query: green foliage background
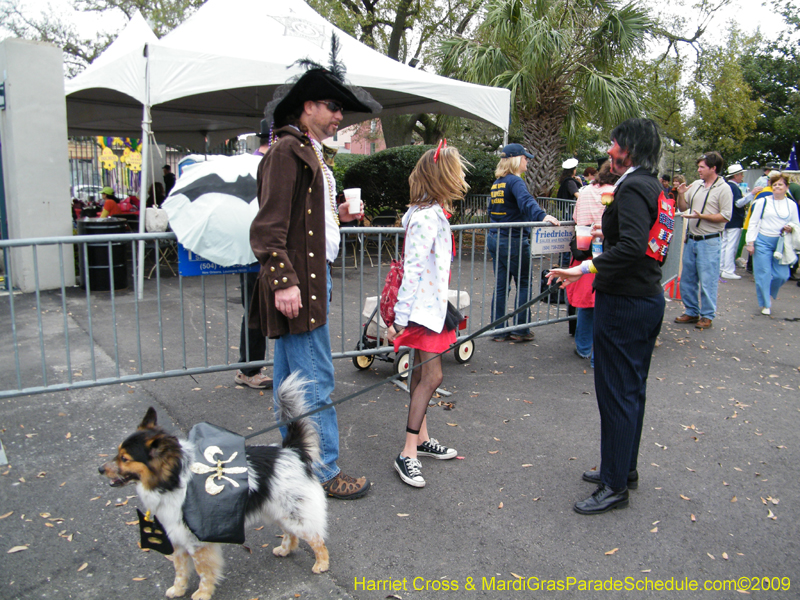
{"x":383,"y":177}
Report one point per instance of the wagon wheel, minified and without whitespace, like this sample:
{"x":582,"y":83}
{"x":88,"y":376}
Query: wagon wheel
{"x":363,"y":362}
{"x":402,"y":363}
{"x":463,"y":352}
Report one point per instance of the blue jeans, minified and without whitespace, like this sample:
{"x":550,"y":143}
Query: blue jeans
{"x":511,"y":260}
{"x":310,"y":353}
{"x":769,"y":274}
{"x":700,"y":277}
{"x":584,"y":332}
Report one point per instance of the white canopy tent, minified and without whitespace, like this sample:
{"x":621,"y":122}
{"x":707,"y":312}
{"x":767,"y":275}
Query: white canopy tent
{"x":210,"y":81}
{"x":206,"y":82}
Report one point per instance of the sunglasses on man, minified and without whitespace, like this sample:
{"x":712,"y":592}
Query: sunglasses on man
{"x":331,"y":105}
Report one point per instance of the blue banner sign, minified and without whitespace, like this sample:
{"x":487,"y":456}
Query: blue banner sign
{"x":192,"y":265}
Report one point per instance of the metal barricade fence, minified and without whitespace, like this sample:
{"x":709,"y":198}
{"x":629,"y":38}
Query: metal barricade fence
{"x":77,"y":337}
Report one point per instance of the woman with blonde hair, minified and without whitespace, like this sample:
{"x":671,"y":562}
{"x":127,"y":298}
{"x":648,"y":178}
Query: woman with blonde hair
{"x":770,"y":219}
{"x":510,"y":248}
{"x":422,"y":307}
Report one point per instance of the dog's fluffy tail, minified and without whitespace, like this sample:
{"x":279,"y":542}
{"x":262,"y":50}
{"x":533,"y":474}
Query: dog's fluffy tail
{"x":301,"y":434}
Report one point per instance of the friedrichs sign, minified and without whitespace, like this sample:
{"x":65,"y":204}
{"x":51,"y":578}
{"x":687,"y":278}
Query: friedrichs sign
{"x":551,"y":240}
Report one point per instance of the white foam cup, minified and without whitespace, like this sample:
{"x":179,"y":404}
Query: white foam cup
{"x":353,"y":198}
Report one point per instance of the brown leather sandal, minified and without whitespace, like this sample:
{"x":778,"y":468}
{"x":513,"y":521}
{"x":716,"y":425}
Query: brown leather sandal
{"x":344,"y":487}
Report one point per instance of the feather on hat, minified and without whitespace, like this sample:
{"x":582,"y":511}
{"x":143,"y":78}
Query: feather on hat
{"x":319,"y":83}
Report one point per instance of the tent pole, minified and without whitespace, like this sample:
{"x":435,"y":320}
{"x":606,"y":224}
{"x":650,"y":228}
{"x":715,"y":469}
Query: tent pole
{"x":143,"y":187}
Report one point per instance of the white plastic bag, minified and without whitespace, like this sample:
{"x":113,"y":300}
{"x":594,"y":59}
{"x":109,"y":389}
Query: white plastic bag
{"x":155,"y":219}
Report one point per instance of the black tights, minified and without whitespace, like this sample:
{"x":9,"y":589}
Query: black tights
{"x":423,"y":384}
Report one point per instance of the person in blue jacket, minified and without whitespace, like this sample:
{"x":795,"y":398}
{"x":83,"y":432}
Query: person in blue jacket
{"x":510,"y":248}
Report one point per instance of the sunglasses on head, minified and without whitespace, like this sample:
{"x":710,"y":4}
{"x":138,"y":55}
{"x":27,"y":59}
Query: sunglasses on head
{"x":331,"y":105}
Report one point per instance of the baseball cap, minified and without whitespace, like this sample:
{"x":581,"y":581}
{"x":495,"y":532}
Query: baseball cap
{"x":513,"y":150}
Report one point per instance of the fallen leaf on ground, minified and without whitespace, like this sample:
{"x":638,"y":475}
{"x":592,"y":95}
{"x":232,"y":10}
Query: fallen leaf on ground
{"x":684,"y":497}
{"x":493,"y":451}
{"x":654,"y":530}
{"x":725,"y":555}
{"x":500,"y":505}
{"x":734,"y":499}
{"x":711,"y":556}
{"x":82,"y":567}
{"x":453,"y":424}
{"x":402,"y":514}
{"x":526,"y":465}
{"x":8,"y":514}
{"x":610,"y":552}
{"x":17,"y":549}
{"x":517,"y":576}
{"x":140,"y":578}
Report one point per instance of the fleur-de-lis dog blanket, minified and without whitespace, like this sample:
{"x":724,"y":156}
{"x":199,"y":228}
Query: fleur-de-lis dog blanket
{"x":217,"y":492}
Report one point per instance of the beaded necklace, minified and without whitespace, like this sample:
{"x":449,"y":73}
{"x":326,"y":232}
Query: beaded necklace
{"x":329,"y":180}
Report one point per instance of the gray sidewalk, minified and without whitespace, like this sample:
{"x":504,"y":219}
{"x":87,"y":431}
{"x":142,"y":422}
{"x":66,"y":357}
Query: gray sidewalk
{"x":719,"y":454}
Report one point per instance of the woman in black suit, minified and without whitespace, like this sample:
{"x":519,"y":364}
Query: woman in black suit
{"x":629,"y":307}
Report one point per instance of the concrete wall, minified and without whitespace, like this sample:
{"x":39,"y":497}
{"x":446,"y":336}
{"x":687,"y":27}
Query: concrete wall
{"x":33,"y":130}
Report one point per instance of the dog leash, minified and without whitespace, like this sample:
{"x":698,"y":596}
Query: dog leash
{"x":553,"y":288}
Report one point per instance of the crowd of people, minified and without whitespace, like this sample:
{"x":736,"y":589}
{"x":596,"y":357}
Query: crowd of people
{"x":616,"y":289}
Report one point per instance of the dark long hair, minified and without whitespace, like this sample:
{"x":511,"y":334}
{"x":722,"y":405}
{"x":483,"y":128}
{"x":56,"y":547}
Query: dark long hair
{"x":641,"y":139}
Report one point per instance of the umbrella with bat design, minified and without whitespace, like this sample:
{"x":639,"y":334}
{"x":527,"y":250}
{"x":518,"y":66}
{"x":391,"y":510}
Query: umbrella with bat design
{"x":211,"y":207}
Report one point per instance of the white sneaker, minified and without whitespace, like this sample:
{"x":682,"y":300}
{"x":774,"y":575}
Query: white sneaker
{"x":741,"y":262}
{"x":726,"y":275}
{"x":766,"y":311}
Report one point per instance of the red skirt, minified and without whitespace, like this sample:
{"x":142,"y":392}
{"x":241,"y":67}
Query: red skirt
{"x":421,"y":338}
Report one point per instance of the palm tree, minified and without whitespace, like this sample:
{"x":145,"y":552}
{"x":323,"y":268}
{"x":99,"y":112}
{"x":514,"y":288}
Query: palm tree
{"x":562,"y":61}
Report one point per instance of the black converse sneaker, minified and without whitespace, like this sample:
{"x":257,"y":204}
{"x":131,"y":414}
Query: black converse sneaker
{"x":409,"y":470}
{"x":434,"y":449}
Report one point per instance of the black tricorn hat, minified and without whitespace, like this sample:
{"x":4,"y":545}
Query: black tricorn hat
{"x":319,"y":83}
{"x":265,"y":131}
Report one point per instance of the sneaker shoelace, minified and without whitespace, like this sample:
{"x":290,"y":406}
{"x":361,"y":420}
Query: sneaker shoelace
{"x":434,"y":445}
{"x":414,"y":467}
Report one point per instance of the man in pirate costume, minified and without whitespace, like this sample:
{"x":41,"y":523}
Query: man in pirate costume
{"x":295,"y":237}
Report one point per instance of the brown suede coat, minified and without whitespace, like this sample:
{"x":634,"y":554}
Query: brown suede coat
{"x":288,"y":235}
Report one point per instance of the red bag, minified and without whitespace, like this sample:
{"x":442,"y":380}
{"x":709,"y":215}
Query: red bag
{"x":394,"y":279}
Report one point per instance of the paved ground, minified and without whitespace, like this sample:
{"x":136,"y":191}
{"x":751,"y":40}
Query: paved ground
{"x":717,"y":497}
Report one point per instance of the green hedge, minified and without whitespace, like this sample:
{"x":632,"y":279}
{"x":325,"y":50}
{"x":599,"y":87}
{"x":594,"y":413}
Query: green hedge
{"x":383,"y":177}
{"x":342,"y":164}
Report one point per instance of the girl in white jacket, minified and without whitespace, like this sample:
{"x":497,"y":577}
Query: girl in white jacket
{"x":437,"y":180}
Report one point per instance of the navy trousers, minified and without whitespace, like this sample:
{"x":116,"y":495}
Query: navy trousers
{"x":252,"y":343}
{"x":625,"y":331}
